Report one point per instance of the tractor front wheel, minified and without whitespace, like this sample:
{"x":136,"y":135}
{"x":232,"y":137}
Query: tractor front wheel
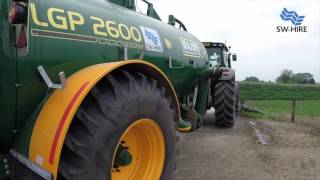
{"x":224,"y":103}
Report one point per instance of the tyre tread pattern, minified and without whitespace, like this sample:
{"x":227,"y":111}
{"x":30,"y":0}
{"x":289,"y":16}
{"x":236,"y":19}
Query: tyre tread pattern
{"x":83,"y":140}
{"x":224,"y":103}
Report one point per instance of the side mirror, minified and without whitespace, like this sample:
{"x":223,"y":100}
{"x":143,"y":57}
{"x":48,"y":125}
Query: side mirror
{"x":234,"y":57}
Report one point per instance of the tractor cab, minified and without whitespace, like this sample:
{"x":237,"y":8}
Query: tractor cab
{"x":219,"y":54}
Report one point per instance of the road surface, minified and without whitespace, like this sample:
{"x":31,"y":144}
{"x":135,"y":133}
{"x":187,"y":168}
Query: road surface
{"x":291,"y":151}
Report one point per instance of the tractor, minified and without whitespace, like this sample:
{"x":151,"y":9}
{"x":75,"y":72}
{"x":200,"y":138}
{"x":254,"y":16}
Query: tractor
{"x":223,"y":90}
{"x":96,"y":90}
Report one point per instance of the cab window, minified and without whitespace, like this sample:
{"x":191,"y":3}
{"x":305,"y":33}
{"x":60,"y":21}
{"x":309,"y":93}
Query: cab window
{"x":214,"y":56}
{"x":225,"y":58}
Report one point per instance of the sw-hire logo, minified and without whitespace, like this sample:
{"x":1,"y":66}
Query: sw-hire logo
{"x":295,"y":19}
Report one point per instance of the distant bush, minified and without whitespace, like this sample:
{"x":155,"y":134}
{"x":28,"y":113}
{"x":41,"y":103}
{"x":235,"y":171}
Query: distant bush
{"x":252,"y":79}
{"x":287,"y":76}
{"x":277,"y":91}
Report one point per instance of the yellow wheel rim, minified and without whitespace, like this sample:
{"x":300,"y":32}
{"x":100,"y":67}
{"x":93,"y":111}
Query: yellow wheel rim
{"x":144,"y":141}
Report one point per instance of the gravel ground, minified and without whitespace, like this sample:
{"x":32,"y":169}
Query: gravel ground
{"x":292,"y":151}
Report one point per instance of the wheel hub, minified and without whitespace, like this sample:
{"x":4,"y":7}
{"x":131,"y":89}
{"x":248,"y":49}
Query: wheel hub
{"x":123,"y":157}
{"x":140,"y":152}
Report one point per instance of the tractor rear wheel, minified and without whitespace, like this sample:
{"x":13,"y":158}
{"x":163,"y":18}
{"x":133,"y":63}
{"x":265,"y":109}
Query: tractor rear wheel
{"x":224,"y":103}
{"x":238,"y":103}
{"x":124,"y":129}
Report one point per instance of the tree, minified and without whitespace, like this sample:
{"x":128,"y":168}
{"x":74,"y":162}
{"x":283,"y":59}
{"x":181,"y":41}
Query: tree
{"x":252,"y":79}
{"x":303,"y":78}
{"x":312,"y":81}
{"x":285,"y":76}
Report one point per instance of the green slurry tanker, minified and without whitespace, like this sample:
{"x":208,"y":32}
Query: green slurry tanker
{"x":95,"y":90}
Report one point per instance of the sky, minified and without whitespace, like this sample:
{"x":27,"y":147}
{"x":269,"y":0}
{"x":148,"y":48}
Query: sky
{"x":249,"y":27}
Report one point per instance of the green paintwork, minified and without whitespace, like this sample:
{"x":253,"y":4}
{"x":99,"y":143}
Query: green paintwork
{"x":8,"y":79}
{"x":21,"y":104}
{"x":4,"y":167}
{"x":202,"y":99}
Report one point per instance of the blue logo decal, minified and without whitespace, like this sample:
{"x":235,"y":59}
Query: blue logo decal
{"x":152,"y":37}
{"x":291,"y":16}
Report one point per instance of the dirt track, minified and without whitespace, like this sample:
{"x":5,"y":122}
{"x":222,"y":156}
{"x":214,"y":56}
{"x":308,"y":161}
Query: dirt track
{"x":292,"y":153}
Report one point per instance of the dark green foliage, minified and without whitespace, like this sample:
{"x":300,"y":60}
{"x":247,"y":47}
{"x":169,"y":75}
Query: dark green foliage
{"x":252,"y":79}
{"x":287,"y":76}
{"x":303,"y":78}
{"x":273,"y":91}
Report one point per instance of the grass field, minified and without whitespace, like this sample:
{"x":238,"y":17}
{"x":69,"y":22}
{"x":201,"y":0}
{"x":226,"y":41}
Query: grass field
{"x":272,"y":91}
{"x":281,"y":109}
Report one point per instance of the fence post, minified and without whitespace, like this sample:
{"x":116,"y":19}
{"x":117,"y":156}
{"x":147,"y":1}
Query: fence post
{"x":293,"y":111}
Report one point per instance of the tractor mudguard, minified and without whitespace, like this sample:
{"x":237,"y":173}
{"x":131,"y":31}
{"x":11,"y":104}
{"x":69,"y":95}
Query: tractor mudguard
{"x":226,"y":73}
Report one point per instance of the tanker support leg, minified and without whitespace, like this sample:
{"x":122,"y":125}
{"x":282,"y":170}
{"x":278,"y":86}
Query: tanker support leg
{"x":201,"y":101}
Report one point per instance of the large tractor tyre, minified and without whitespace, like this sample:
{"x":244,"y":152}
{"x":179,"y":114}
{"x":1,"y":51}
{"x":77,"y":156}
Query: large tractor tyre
{"x":238,"y":102}
{"x":224,"y":103}
{"x":124,"y":129}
